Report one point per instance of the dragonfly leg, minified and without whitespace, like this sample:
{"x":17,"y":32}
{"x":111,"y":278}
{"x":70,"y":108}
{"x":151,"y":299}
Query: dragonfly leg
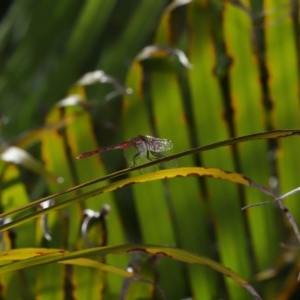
{"x":149,"y":157}
{"x":135,"y":157}
{"x":155,"y":154}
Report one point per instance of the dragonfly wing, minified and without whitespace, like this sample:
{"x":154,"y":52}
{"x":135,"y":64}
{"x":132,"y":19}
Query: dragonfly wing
{"x":157,"y":144}
{"x":164,"y":165}
{"x":133,"y":155}
{"x":173,"y":163}
{"x":146,"y":170}
{"x":140,"y":158}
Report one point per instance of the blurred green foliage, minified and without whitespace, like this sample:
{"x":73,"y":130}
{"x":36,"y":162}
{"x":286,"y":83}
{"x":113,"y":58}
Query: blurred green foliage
{"x":193,"y":72}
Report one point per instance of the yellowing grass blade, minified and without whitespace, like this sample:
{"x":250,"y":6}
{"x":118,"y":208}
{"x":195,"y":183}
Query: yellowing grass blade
{"x":258,"y":136}
{"x":33,"y":257}
{"x":163,"y":174}
{"x":29,"y":257}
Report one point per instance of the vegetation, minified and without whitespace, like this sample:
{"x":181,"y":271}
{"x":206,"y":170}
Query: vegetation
{"x":220,"y":79}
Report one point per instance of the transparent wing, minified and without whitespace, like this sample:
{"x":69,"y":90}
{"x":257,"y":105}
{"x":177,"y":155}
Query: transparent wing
{"x":148,"y":169}
{"x":157,"y":144}
{"x":168,"y":164}
{"x":164,"y":165}
{"x":134,"y":156}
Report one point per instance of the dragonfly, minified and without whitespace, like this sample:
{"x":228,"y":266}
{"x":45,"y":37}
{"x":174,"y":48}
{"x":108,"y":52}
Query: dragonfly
{"x":140,"y":149}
